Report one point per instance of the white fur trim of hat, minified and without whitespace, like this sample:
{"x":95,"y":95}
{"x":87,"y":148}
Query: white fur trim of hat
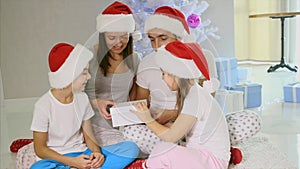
{"x":182,"y":68}
{"x":77,"y":60}
{"x":115,"y":23}
{"x":166,"y":23}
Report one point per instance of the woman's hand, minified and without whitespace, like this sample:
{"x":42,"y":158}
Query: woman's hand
{"x":97,"y":159}
{"x":142,"y":112}
{"x":101,"y":105}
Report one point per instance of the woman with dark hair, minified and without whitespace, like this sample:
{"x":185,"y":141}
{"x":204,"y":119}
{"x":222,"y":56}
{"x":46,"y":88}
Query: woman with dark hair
{"x":113,"y":69}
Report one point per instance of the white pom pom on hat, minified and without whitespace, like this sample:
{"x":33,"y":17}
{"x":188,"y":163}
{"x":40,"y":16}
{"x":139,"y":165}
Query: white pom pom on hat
{"x":66,"y":62}
{"x":211,"y":85}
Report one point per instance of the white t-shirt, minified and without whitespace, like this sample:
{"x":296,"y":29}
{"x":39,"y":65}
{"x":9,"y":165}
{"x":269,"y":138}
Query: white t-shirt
{"x":210,"y":130}
{"x":149,"y":76}
{"x":62,"y":121}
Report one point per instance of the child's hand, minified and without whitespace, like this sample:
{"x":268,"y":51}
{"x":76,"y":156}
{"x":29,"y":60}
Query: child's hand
{"x":97,"y":159}
{"x":142,"y":112}
{"x":82,"y":162}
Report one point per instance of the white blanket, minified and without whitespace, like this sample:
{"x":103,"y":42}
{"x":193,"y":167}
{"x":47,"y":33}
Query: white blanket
{"x":259,"y":153}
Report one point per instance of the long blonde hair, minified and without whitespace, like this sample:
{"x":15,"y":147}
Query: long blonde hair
{"x":184,"y":86}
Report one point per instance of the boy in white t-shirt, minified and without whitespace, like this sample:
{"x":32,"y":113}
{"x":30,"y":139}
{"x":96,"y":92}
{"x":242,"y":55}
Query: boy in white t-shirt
{"x":61,"y":126}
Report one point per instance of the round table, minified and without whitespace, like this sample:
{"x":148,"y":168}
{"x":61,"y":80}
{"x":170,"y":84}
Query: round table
{"x":282,"y":16}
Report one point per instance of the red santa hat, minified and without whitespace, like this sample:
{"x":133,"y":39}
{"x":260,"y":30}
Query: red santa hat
{"x":184,"y":60}
{"x":66,"y":62}
{"x":117,"y":17}
{"x":169,"y":19}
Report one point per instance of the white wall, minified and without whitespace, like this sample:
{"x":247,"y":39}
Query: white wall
{"x":241,"y":26}
{"x":221,"y":14}
{"x":29,"y":28}
{"x":1,"y":91}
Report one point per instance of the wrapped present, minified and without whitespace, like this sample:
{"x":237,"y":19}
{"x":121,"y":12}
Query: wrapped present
{"x":243,"y":73}
{"x":252,"y":94}
{"x":292,"y":92}
{"x":230,"y":101}
{"x":227,"y":71}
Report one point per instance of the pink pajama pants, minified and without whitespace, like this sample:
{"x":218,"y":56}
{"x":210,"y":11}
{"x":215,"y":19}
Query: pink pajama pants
{"x":171,"y":156}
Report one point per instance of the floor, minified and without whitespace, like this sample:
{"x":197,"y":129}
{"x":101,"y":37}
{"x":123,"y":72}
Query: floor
{"x":280,"y":121}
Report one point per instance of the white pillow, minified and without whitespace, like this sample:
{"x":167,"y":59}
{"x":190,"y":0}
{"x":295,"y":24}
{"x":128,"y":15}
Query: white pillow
{"x":242,"y":125}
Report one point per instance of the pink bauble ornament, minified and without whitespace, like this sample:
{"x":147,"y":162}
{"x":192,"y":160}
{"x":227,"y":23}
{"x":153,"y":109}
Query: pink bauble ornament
{"x":193,"y":21}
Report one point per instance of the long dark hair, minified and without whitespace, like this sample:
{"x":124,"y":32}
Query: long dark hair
{"x":103,"y":53}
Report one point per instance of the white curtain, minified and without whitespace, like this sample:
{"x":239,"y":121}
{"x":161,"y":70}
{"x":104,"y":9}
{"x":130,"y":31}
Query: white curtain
{"x":292,"y":32}
{"x":260,"y":38}
{"x":297,"y":36}
{"x":297,"y":60}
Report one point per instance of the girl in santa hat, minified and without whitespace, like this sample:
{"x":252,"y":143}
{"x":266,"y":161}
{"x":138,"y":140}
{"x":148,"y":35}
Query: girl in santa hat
{"x":61,"y":126}
{"x":200,"y":118}
{"x":113,"y":69}
{"x":166,"y":25}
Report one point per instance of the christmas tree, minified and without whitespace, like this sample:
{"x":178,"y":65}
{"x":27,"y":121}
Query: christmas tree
{"x":200,"y":28}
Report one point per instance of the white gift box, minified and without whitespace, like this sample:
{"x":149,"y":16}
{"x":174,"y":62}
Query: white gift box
{"x":230,"y":101}
{"x":121,"y":114}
